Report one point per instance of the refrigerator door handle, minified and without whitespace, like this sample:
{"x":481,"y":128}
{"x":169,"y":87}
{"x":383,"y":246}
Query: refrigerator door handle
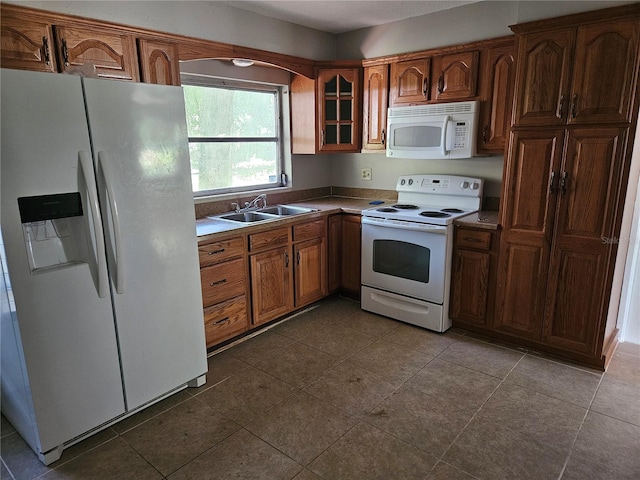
{"x":87,"y":174}
{"x":103,"y":166}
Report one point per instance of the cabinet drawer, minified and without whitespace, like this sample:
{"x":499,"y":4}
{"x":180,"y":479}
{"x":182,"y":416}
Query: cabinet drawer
{"x":477,"y":239}
{"x":225,"y":320}
{"x":223,"y":281}
{"x":220,"y":251}
{"x":308,"y":230}
{"x":270,"y":238}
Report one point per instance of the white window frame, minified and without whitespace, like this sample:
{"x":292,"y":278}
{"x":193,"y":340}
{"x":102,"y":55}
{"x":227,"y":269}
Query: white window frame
{"x":281,"y":140}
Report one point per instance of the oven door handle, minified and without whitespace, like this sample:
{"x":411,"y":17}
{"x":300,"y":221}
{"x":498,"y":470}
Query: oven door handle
{"x":403,"y":225}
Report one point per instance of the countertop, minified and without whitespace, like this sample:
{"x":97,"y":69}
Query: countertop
{"x":486,"y":219}
{"x":208,"y":227}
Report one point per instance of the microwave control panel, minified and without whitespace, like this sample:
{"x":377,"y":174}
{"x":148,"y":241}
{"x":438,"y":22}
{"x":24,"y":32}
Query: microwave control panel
{"x":460,"y":130}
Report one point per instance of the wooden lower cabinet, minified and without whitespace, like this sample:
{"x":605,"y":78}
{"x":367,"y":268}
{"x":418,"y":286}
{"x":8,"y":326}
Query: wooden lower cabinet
{"x":563,"y":197}
{"x":334,"y":249}
{"x":473,"y":276}
{"x":351,"y":243}
{"x":310,"y":271}
{"x":271,"y":284}
{"x":224,"y":276}
{"x":288,"y":268}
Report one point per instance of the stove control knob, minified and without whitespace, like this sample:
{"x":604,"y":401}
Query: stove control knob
{"x":403,"y":181}
{"x":411,"y":181}
{"x":464,"y":185}
{"x":475,"y":186}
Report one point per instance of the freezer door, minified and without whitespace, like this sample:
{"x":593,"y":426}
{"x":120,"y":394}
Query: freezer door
{"x":63,"y":353}
{"x":141,"y":156}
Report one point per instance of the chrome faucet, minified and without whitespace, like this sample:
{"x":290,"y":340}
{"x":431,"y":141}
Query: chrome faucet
{"x":259,"y":202}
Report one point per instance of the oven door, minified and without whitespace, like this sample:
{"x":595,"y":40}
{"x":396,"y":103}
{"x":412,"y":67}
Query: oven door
{"x":406,"y":258}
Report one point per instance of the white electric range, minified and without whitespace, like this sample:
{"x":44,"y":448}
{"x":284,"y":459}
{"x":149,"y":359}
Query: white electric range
{"x":407,"y":247}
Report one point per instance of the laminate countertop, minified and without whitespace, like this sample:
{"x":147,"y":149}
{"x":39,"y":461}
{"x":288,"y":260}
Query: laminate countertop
{"x":208,"y":227}
{"x":486,"y":219}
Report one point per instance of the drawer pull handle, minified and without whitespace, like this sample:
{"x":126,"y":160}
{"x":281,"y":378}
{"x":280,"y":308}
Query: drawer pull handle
{"x":219,"y":282}
{"x":65,"y":52}
{"x":471,"y":239}
{"x":213,"y":252}
{"x":222,"y":320}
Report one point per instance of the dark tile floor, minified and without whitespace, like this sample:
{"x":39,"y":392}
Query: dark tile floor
{"x":338,"y":393}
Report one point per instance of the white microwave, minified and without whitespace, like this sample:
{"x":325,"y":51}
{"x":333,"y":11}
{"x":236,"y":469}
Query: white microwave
{"x":443,"y":130}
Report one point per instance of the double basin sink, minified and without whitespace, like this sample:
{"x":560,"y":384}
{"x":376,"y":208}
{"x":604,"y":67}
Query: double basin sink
{"x":264,"y":214}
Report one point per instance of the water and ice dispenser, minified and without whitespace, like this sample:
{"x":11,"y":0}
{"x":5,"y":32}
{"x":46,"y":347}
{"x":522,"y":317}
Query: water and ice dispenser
{"x":54,"y":231}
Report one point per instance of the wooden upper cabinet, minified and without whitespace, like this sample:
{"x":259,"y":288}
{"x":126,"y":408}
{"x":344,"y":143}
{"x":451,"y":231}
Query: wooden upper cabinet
{"x":579,"y":75}
{"x":410,"y":82}
{"x":27,"y":43}
{"x":455,"y":76}
{"x":376,"y":99}
{"x":159,"y":62}
{"x":497,"y":83}
{"x":544,"y":73}
{"x":603,"y":73}
{"x":111,"y":52}
{"x":338,"y":100}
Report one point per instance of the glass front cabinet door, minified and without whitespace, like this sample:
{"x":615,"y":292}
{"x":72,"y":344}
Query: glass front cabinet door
{"x":338,"y":112}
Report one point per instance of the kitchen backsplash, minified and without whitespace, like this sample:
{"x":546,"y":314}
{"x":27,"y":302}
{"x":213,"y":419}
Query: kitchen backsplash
{"x":222,"y":206}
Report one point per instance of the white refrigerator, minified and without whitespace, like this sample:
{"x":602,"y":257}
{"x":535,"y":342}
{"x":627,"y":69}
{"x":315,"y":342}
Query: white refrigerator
{"x":101,"y":298}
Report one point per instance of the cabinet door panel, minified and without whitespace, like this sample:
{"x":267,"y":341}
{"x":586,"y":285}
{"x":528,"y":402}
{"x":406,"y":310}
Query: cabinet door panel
{"x":410,"y":82}
{"x":338,"y":99}
{"x":534,"y":162}
{"x":271,"y":284}
{"x":334,"y":248}
{"x":27,"y":44}
{"x":159,"y":62}
{"x":526,"y":238}
{"x":351,"y":248}
{"x":455,"y":76}
{"x":470,"y":286}
{"x":498,"y":76}
{"x":544,"y":65}
{"x":605,"y":64}
{"x":522,"y":280}
{"x":376,"y":98}
{"x":113,"y":54}
{"x":578,"y":295}
{"x":310,"y":271}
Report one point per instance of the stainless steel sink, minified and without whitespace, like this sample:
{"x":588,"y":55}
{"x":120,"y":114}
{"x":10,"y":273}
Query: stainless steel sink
{"x":248,"y":217}
{"x":283,"y":210}
{"x":264,"y":214}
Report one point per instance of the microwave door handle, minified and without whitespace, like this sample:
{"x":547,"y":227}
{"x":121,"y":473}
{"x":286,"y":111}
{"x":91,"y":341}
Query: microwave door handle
{"x":443,"y":139}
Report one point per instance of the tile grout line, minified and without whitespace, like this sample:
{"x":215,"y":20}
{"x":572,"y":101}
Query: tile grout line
{"x":480,"y":408}
{"x":584,"y":418}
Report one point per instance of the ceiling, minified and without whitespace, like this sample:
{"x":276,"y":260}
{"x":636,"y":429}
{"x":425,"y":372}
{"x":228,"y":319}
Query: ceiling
{"x":339,"y":16}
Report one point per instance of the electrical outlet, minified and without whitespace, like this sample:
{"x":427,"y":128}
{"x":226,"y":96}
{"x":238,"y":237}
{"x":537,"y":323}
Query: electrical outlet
{"x":366,"y":173}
